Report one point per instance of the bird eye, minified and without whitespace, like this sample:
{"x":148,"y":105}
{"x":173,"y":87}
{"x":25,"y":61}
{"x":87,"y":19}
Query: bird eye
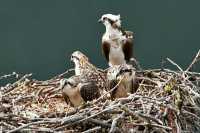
{"x":72,"y":57}
{"x":104,"y":18}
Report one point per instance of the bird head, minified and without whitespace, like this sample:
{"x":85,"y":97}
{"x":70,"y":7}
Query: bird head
{"x":111,"y":20}
{"x":64,"y":83}
{"x":78,"y":58}
{"x":126,"y":73}
{"x":112,"y":72}
{"x":68,"y":86}
{"x":118,"y":72}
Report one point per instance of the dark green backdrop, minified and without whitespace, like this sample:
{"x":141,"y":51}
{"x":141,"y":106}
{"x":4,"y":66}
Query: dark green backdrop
{"x":38,"y":36}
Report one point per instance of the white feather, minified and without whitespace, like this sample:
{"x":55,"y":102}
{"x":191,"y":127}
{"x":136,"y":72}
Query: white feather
{"x":112,"y":17}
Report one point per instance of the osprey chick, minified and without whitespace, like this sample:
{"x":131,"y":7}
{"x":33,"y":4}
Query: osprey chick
{"x":117,"y":44}
{"x":125,"y":74}
{"x":88,"y":83}
{"x":84,"y":67}
{"x":77,"y":90}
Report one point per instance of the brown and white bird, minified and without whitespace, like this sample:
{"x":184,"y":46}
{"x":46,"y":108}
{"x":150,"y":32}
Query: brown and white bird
{"x":88,"y":83}
{"x":117,"y":44}
{"x":82,"y":64}
{"x":123,"y":76}
{"x":84,"y":67}
{"x":79,"y":89}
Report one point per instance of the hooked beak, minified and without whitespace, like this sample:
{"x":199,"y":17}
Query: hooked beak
{"x":71,"y":58}
{"x":100,"y":21}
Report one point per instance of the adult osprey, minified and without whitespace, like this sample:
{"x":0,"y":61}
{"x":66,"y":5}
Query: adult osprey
{"x":117,"y":44}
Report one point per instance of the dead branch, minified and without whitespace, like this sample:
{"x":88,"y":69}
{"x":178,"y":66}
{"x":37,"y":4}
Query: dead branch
{"x":92,"y":130}
{"x":175,"y":64}
{"x":195,"y":60}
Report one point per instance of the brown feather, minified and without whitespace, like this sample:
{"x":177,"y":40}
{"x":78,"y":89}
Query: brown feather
{"x":119,"y":92}
{"x":106,"y":49}
{"x":89,"y":91}
{"x":128,"y":48}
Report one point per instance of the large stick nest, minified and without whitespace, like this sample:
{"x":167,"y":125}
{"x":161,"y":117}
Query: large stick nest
{"x":166,"y":101}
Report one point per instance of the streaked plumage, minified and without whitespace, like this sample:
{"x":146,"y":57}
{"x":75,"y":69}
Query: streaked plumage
{"x":84,"y":67}
{"x":125,"y":74}
{"x":79,"y":89}
{"x":87,"y":84}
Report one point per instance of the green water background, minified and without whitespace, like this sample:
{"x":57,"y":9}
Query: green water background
{"x":38,"y":36}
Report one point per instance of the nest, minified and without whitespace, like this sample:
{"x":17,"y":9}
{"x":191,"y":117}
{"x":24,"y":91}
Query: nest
{"x":165,"y":101}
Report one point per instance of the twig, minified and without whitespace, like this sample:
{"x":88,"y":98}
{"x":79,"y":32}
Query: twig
{"x":197,"y":58}
{"x":103,"y":111}
{"x":92,"y":130}
{"x":61,"y":75}
{"x":155,"y":125}
{"x":40,"y":129}
{"x":99,"y":122}
{"x":9,"y":75}
{"x":115,"y":120}
{"x":11,"y":87}
{"x":29,"y":124}
{"x":173,"y":63}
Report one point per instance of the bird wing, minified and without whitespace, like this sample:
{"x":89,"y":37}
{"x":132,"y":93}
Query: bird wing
{"x":119,"y":91}
{"x":106,"y":49}
{"x":89,"y":91}
{"x":127,"y":48}
{"x":112,"y":84}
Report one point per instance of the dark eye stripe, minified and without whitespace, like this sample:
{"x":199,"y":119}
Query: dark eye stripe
{"x":75,"y":57}
{"x":111,"y":21}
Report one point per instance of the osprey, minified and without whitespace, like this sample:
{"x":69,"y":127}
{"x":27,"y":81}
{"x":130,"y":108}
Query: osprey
{"x":84,"y":67}
{"x":87,"y":84}
{"x":79,"y":89}
{"x":117,"y":44}
{"x":82,"y":64}
{"x":125,"y":74}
